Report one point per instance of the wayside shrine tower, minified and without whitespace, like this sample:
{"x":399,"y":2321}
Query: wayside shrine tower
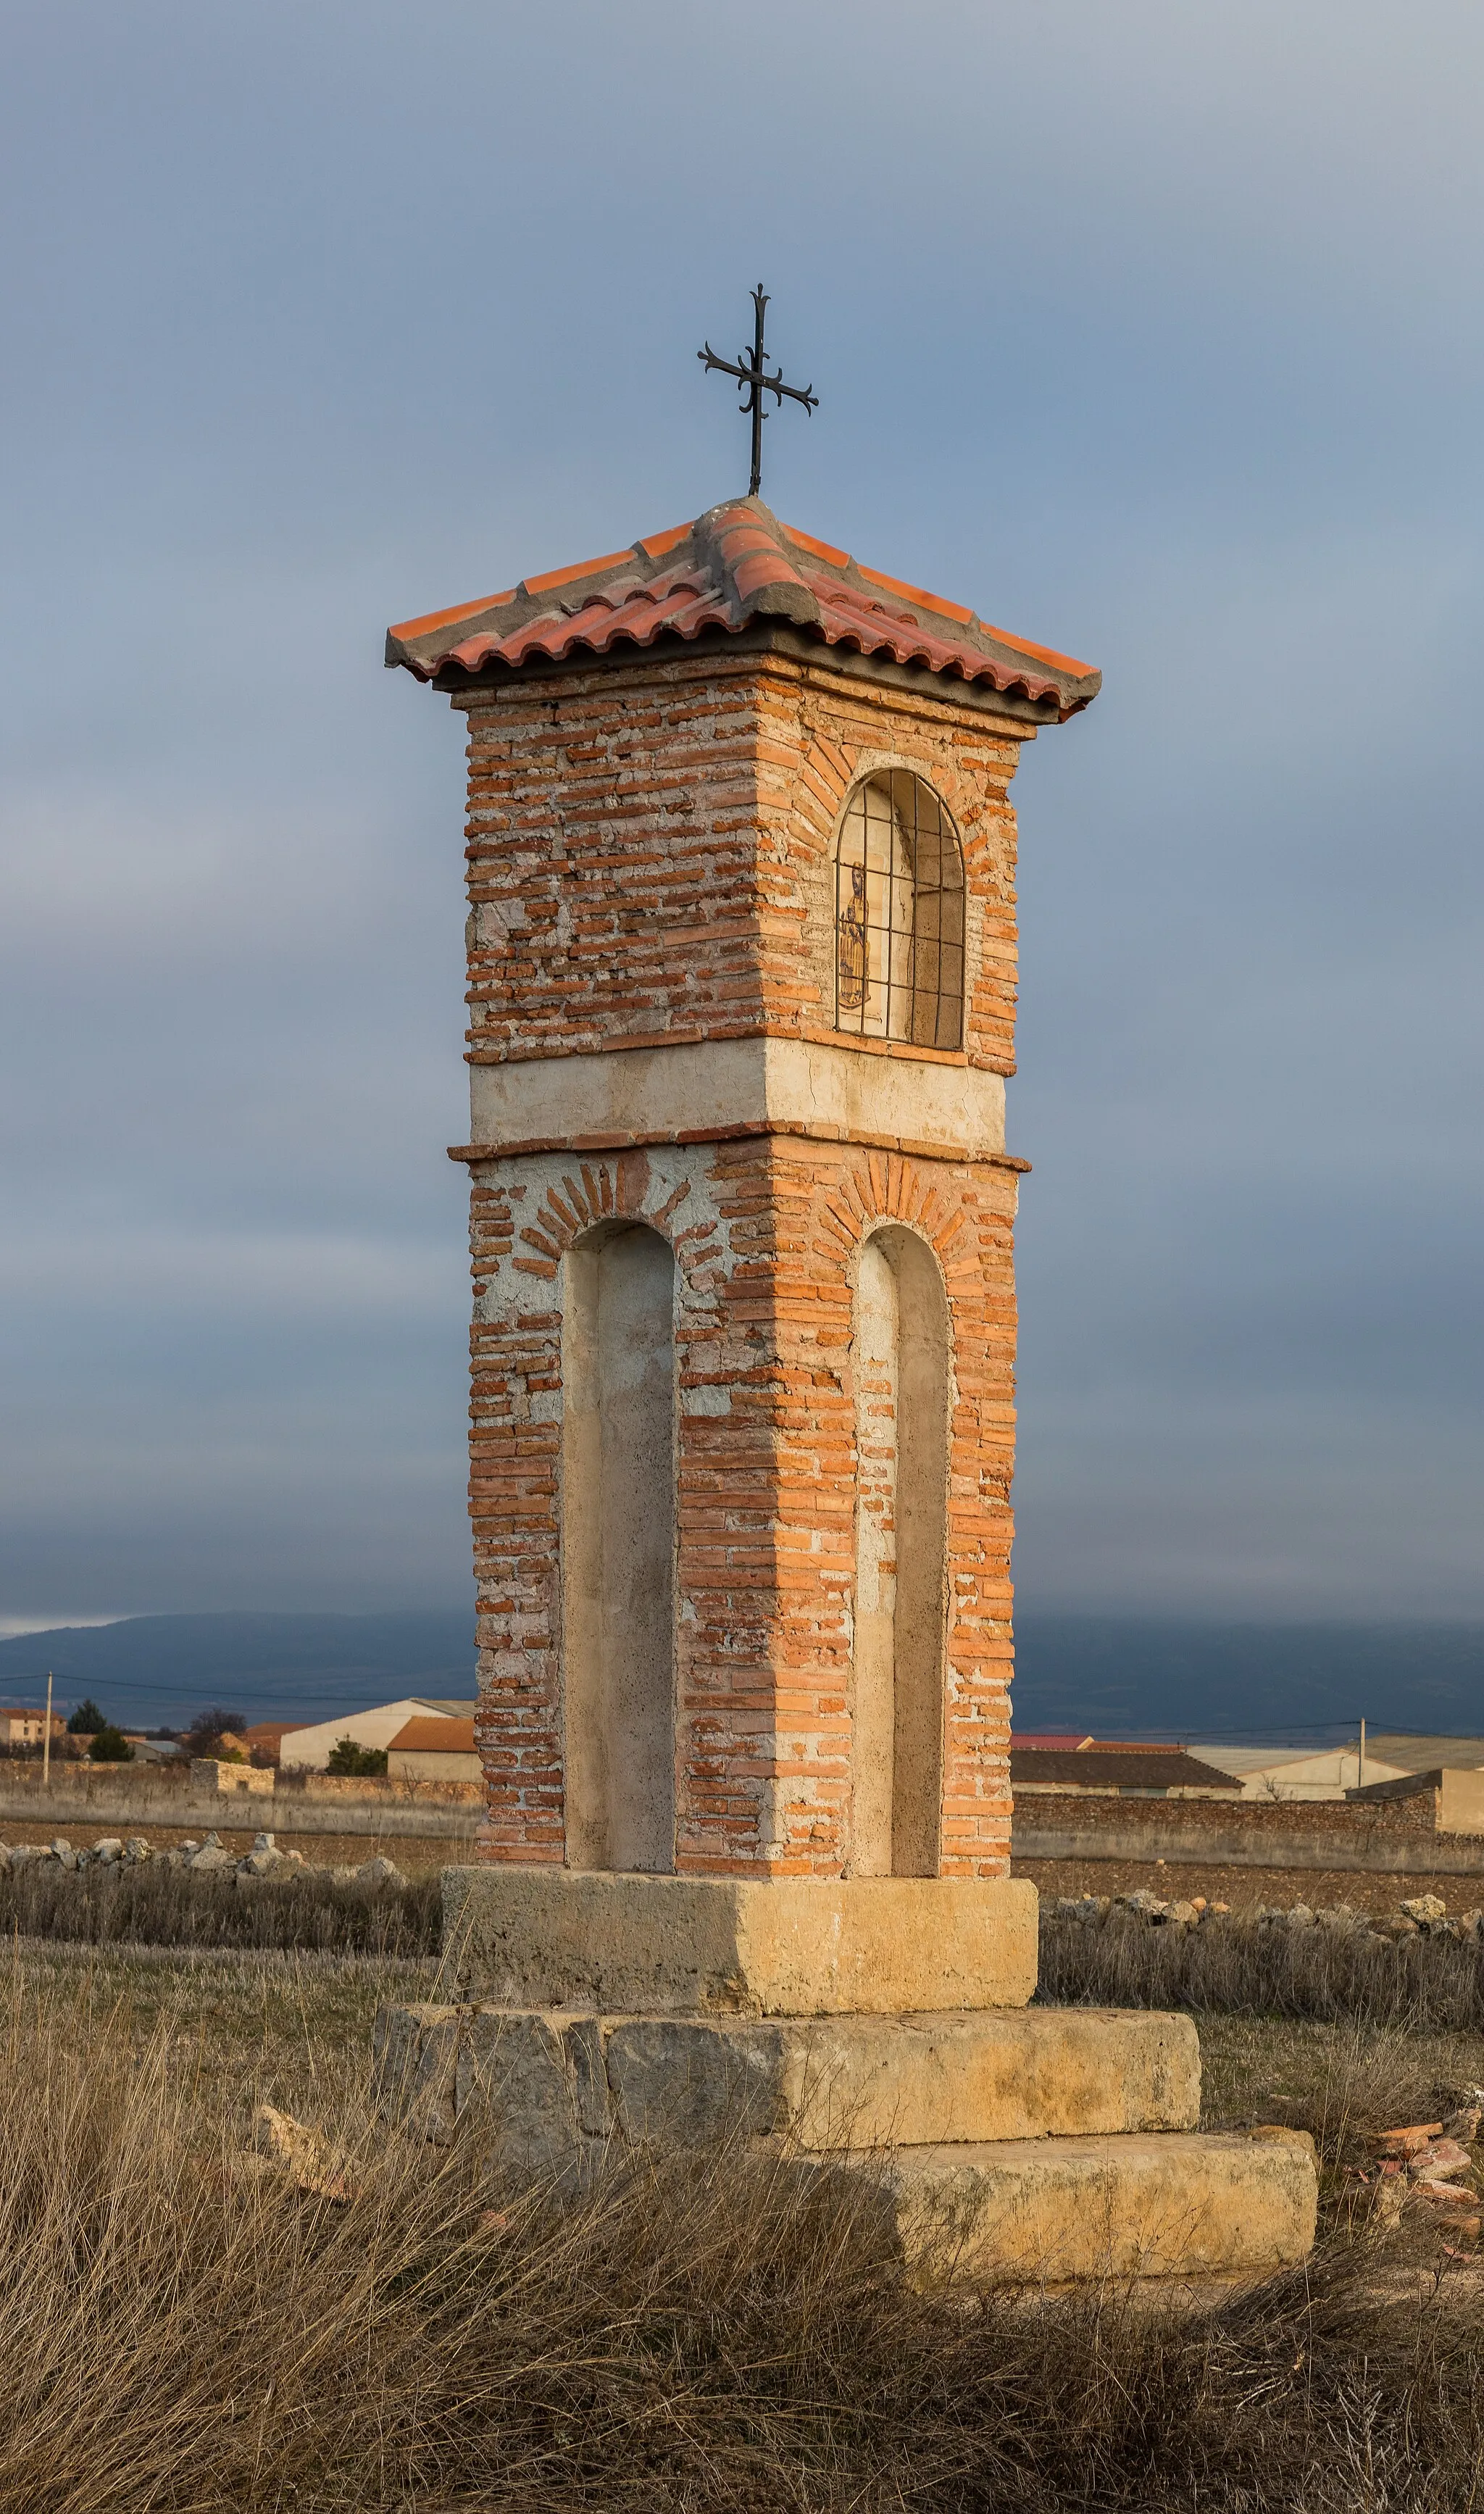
{"x":742,"y":975}
{"x":742,"y":963}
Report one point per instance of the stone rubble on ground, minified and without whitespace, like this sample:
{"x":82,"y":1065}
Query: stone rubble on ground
{"x":1421,"y":1916}
{"x":208,"y":1859}
{"x":281,"y":2141}
{"x":1431,"y":2164}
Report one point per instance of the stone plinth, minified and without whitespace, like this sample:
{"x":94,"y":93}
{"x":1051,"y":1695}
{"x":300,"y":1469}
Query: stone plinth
{"x":1177,"y":2207}
{"x":556,"y":2079}
{"x":793,"y":1946}
{"x":1050,"y":2144}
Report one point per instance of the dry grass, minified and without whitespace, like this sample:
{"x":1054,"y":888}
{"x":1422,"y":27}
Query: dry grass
{"x":1344,"y":2083}
{"x":1426,"y":1984}
{"x":179,"y":2331}
{"x":1376,"y":1890}
{"x":157,"y":1905}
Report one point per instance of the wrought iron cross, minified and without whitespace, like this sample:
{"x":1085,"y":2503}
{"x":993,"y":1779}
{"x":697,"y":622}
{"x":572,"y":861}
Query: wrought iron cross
{"x":751,"y":373}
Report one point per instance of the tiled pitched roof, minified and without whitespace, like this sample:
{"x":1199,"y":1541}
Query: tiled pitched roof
{"x":735,"y":565}
{"x":1130,"y":1768}
{"x":435,"y":1736}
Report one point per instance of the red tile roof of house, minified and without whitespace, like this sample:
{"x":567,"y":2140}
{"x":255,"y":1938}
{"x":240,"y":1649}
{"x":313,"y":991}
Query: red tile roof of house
{"x":733,"y":566}
{"x":1131,"y":1767}
{"x":435,"y":1737}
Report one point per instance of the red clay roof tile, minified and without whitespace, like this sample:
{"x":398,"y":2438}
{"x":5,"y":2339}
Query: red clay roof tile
{"x":457,"y":611}
{"x":660,"y":544}
{"x":735,"y":565}
{"x":816,"y":549}
{"x":569,"y":575}
{"x":915,"y":594}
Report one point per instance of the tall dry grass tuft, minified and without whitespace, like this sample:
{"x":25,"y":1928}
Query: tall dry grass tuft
{"x":180,"y":2329}
{"x":1430,"y":1983}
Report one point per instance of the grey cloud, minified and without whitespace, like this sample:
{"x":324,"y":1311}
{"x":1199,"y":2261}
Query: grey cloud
{"x":1153,"y":331}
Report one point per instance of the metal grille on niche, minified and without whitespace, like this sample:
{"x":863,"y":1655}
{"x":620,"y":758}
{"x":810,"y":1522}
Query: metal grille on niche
{"x":900,"y":916}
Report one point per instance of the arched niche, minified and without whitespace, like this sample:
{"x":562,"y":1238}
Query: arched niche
{"x":901,"y":1372}
{"x":618,"y":1550}
{"x":898,"y":914}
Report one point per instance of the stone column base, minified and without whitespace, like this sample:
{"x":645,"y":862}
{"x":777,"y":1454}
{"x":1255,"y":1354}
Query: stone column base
{"x":626,"y":1944}
{"x":1047,"y":2144}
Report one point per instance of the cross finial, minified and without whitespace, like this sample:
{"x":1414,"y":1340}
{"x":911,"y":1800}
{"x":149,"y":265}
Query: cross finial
{"x":750,"y":371}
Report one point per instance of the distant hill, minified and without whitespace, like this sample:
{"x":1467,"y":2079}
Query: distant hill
{"x":1126,"y":1676}
{"x":1117,"y":1675}
{"x":159,"y":1669}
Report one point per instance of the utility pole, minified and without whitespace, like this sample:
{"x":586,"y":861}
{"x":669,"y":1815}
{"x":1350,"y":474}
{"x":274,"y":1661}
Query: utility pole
{"x":1361,"y":1776}
{"x":46,"y":1739}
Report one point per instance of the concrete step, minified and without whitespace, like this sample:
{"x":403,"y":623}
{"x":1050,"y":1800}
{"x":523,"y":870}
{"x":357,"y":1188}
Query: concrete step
{"x":1181,"y":2206}
{"x":548,"y":2078}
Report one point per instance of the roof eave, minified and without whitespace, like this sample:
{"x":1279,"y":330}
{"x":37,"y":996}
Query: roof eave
{"x":1006,"y":690}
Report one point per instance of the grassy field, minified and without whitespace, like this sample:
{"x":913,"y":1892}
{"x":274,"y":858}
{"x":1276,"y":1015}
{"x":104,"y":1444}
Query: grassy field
{"x":237,"y":2028}
{"x":183,"y":2327}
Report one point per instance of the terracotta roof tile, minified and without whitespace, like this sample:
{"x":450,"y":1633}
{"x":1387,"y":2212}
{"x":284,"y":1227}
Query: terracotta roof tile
{"x":915,"y":594}
{"x":735,"y":565}
{"x":432,"y":620}
{"x":568,"y":575}
{"x":435,"y":1736}
{"x":816,"y":549}
{"x":660,"y":544}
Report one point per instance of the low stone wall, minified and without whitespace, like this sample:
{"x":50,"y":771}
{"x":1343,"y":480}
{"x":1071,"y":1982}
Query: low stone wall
{"x":1400,"y":1834}
{"x":135,"y":1796}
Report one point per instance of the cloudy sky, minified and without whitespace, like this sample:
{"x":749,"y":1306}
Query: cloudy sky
{"x":1153,"y":331}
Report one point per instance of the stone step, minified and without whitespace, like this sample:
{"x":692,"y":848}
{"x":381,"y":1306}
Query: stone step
{"x":1181,"y":2206}
{"x":624,"y":1943}
{"x":550,"y":2078}
{"x":900,"y":2081}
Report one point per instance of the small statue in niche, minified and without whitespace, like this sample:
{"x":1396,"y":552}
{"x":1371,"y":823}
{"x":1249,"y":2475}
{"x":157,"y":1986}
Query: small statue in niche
{"x":852,"y":948}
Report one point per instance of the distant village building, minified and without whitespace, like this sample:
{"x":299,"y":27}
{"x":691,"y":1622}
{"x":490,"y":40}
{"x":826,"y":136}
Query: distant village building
{"x":1120,"y":1769}
{"x":21,"y":1726}
{"x":308,"y":1750}
{"x":434,"y":1750}
{"x":1336,"y":1771}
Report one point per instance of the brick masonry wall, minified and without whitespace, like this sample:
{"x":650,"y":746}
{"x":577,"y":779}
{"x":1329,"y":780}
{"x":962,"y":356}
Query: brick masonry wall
{"x":1247,"y":1832}
{"x":765,"y":1237}
{"x":651,"y":850}
{"x":650,"y":859}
